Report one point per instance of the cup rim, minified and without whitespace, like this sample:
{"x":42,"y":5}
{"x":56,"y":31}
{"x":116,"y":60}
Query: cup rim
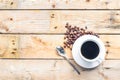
{"x":95,"y":39}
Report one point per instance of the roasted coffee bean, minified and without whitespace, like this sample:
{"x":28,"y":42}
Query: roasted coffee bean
{"x":64,"y":46}
{"x":69,"y":27}
{"x":66,"y":26}
{"x":64,"y":37}
{"x":64,"y":43}
{"x":81,"y":29}
{"x":77,"y":28}
{"x":85,"y":27}
{"x":72,"y":33}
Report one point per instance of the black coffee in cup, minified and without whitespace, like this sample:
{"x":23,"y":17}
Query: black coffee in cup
{"x":89,"y":50}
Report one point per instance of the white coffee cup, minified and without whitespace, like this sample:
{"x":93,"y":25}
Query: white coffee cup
{"x":92,"y":40}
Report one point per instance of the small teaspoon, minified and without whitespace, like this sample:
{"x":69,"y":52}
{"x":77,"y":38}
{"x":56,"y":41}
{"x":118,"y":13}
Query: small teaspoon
{"x":62,"y":53}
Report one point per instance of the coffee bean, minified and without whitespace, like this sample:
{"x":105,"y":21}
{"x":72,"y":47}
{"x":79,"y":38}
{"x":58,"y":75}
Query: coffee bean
{"x":81,"y":29}
{"x":69,"y":27}
{"x":77,"y":28}
{"x":85,"y":27}
{"x":66,"y":26}
{"x":64,"y":42}
{"x":64,"y":46}
{"x":64,"y":37}
{"x":72,"y":33}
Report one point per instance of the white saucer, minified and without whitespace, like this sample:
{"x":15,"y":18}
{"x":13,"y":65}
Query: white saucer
{"x":80,"y":61}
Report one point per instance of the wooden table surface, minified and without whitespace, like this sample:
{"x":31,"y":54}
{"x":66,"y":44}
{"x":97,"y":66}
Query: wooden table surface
{"x":31,"y":29}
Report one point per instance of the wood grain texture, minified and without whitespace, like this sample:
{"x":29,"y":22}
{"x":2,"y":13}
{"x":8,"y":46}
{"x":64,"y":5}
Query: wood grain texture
{"x":24,"y":21}
{"x":43,"y":46}
{"x":45,"y":64}
{"x":59,"y":4}
{"x":55,"y":70}
{"x":37,"y":21}
{"x":9,"y":46}
{"x":9,"y":4}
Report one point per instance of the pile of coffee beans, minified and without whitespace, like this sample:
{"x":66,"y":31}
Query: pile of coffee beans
{"x":74,"y":32}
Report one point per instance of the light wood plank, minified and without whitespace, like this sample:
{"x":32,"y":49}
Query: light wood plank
{"x":9,"y":46}
{"x":9,"y":4}
{"x":37,"y":21}
{"x":97,"y":21}
{"x":24,"y":21}
{"x":111,"y":68}
{"x":59,"y":4}
{"x":55,"y":70}
{"x":113,"y":49}
{"x":43,"y":46}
